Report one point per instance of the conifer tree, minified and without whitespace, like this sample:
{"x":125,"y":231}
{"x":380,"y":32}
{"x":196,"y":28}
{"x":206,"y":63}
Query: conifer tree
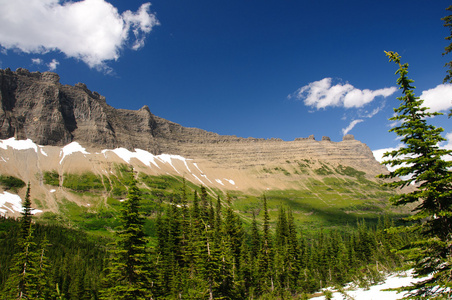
{"x":26,"y":218}
{"x":448,"y":24}
{"x":43,"y":284}
{"x":421,"y":162}
{"x":128,"y":273}
{"x":29,"y":263}
{"x":266,"y":254}
{"x":293,"y":253}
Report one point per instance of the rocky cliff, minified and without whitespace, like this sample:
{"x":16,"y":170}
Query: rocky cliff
{"x":37,"y":106}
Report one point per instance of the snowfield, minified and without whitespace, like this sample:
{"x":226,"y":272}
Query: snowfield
{"x":376,"y":292}
{"x":181,"y":165}
{"x":13,"y":203}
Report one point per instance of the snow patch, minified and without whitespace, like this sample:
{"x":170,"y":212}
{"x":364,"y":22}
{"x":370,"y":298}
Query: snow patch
{"x":376,"y":292}
{"x":42,"y":151}
{"x":71,"y":148}
{"x":196,"y":165}
{"x":18,"y":144}
{"x":197,"y":178}
{"x":230,"y":181}
{"x":205,"y":176}
{"x":148,"y":158}
{"x":15,"y":203}
{"x":126,"y":155}
{"x":167,"y":158}
{"x":52,"y":191}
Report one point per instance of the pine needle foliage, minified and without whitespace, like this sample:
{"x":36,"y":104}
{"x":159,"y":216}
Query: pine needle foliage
{"x":448,"y":24}
{"x":128,"y":273}
{"x":29,"y":264}
{"x":420,"y":162}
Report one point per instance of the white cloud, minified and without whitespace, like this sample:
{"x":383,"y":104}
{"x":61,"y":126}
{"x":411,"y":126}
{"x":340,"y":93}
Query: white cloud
{"x":350,"y":126}
{"x":53,"y":65}
{"x":374,"y":112}
{"x":439,"y":98}
{"x":90,"y":30}
{"x":447,"y":145}
{"x":321,"y":94}
{"x":378,"y":154}
{"x":36,"y":61}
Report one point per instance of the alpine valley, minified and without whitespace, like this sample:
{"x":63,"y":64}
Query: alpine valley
{"x":193,"y":214}
{"x":71,"y":146}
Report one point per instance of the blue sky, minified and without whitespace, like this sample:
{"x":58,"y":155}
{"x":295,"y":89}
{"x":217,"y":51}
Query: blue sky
{"x":282,"y":69}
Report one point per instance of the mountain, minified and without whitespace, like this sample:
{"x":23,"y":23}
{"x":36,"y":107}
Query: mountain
{"x":50,"y":128}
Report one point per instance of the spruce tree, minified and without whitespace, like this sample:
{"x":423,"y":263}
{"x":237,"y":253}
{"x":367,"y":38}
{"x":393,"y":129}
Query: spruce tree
{"x":421,"y":162}
{"x":128,"y":273}
{"x":266,"y":272}
{"x":448,"y":24}
{"x":29,"y":264}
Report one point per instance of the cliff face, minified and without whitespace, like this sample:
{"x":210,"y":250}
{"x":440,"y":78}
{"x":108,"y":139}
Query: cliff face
{"x":36,"y":106}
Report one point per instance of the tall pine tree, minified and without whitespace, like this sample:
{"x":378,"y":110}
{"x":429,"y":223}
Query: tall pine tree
{"x":29,"y":264}
{"x":420,"y":161}
{"x":128,"y":273}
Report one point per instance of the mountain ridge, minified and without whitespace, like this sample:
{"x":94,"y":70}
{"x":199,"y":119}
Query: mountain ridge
{"x":37,"y":107}
{"x":78,"y":113}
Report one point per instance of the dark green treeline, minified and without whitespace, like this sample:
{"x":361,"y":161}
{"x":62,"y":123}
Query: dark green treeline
{"x":202,"y":250}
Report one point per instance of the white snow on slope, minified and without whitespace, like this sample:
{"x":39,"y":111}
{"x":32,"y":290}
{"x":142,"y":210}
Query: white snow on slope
{"x":219,"y":181}
{"x":15,"y":203}
{"x":167,"y":158}
{"x":148,"y":158}
{"x":18,"y":144}
{"x":42,"y":151}
{"x":126,"y":155}
{"x":196,"y":165}
{"x":376,"y":292}
{"x":230,"y":181}
{"x":71,"y":148}
{"x":205,"y":176}
{"x":197,"y":178}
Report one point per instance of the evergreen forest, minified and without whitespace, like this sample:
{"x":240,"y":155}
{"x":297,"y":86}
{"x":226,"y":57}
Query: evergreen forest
{"x":199,"y":248}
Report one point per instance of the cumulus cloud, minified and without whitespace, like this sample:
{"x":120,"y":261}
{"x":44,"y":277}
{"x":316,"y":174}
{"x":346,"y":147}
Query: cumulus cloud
{"x":53,"y":65}
{"x":378,"y":154}
{"x":439,"y":98}
{"x":36,"y":61}
{"x":91,"y":30}
{"x":321,"y":94}
{"x":350,"y":126}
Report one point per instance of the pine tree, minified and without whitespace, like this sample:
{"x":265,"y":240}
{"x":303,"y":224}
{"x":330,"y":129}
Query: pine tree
{"x":293,"y":253}
{"x":128,"y":273}
{"x":265,"y":263}
{"x":448,"y":23}
{"x":43,"y":284}
{"x":421,"y":162}
{"x":26,"y":218}
{"x":29,"y":263}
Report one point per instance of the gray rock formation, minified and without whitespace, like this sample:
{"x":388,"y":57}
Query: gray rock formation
{"x":37,"y":106}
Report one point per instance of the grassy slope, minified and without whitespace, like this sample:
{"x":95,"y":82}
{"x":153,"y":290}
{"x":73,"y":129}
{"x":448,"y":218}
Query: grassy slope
{"x":330,"y":197}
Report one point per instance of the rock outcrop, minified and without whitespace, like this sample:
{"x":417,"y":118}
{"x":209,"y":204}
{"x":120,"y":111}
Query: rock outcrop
{"x":37,"y":106}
